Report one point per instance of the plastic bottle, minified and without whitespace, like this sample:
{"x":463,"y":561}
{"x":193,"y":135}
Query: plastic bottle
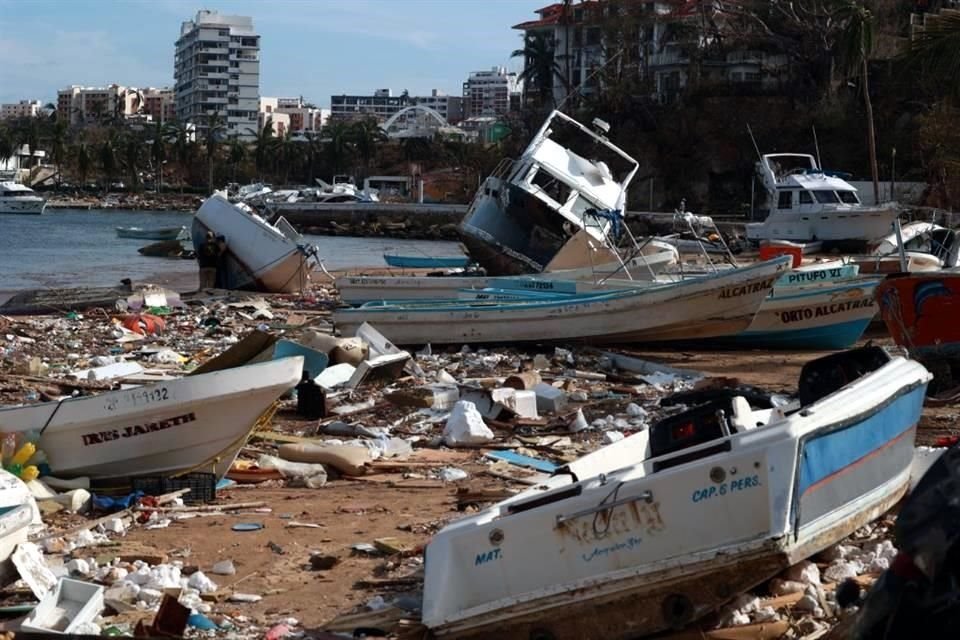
{"x":24,"y":454}
{"x":30,"y":472}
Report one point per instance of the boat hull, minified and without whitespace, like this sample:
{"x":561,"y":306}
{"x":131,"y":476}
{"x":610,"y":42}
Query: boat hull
{"x":426,"y":262}
{"x":717,"y":305}
{"x":259,"y":257}
{"x":33,"y":206}
{"x":617,"y":552}
{"x":854,"y":223}
{"x":820,"y":317}
{"x":921,"y":310}
{"x":150,"y":234}
{"x":193,"y":423}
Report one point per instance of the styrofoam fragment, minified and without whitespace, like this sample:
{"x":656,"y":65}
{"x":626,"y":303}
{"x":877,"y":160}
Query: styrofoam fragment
{"x":765,"y":614}
{"x":201,"y":583}
{"x":636,"y":411}
{"x":807,"y":603}
{"x":465,"y":426}
{"x":610,"y":437}
{"x":843,"y":569}
{"x":224,"y":568}
{"x":805,"y":572}
{"x":79,"y":566}
{"x":164,"y":576}
{"x":149,"y":596}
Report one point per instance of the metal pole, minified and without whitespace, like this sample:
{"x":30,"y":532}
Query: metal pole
{"x":902,"y":251}
{"x":893,"y":176}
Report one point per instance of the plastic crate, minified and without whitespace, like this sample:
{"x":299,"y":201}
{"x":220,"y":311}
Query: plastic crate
{"x":203,"y":486}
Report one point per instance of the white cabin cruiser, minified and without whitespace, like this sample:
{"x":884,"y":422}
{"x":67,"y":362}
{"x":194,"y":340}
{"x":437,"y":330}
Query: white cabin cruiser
{"x":527,"y":211}
{"x":805,"y":203}
{"x":17,"y":198}
{"x":659,"y":529}
{"x":260,"y":256}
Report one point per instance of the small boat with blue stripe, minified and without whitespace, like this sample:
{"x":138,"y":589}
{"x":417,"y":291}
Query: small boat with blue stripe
{"x":426,"y":262}
{"x":613,"y":545}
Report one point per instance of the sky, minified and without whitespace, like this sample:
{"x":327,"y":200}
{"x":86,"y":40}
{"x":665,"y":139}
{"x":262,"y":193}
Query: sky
{"x":313,"y":48}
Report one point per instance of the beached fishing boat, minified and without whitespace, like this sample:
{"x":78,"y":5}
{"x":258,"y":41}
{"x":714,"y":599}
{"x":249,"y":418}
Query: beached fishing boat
{"x":832,"y":315}
{"x":805,"y":203}
{"x":714,"y":305}
{"x":198,"y":423}
{"x":651,"y":259}
{"x":259,"y":256}
{"x":162,"y":233}
{"x":615,"y":545}
{"x":527,"y":210}
{"x":426,"y":262}
{"x":922,"y":313}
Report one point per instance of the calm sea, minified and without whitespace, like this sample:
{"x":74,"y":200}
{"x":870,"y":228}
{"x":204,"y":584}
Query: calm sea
{"x":74,"y":248}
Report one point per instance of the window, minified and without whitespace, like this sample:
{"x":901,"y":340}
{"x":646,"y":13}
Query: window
{"x":826,"y":197}
{"x":806,"y":198}
{"x":848,"y":197}
{"x":551,"y":186}
{"x":785,"y":200}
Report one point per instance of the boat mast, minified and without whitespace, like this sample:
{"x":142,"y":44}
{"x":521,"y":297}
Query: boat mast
{"x":816,"y":146}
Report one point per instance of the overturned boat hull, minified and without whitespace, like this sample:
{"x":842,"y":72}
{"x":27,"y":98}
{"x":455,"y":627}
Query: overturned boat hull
{"x":259,"y":256}
{"x":614,"y":546}
{"x":717,"y":305}
{"x":196,"y":423}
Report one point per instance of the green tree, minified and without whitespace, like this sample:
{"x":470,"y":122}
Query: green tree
{"x":236,"y":154}
{"x":934,"y":53}
{"x":158,"y":153}
{"x":336,"y":139}
{"x":286,"y":152}
{"x":264,"y":144}
{"x":132,"y":149}
{"x":366,"y":136}
{"x":215,"y":126}
{"x":180,"y":135}
{"x":7,"y":145}
{"x":83,"y":161}
{"x":540,"y":67}
{"x":107,"y":152}
{"x":58,"y":139}
{"x":312,"y":152}
{"x":856,"y":43}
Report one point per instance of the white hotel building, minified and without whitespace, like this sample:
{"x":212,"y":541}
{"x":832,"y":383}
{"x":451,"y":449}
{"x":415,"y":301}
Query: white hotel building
{"x":217,"y":70}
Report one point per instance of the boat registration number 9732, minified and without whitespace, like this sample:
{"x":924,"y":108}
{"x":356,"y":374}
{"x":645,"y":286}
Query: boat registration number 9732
{"x":140,"y":397}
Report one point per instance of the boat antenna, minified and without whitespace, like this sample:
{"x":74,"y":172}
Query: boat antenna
{"x":816,"y":146}
{"x":754,"y":140}
{"x":580,"y":86}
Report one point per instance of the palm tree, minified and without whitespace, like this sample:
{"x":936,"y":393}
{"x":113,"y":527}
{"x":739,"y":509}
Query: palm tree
{"x":336,"y":137}
{"x":263,"y":146}
{"x":180,"y":134}
{"x":83,"y":160}
{"x":236,"y":154}
{"x":286,"y":151}
{"x":540,"y":66}
{"x":58,"y":145}
{"x":856,"y":44}
{"x":158,"y":152}
{"x":313,"y":149}
{"x":7,"y":145}
{"x":108,"y":157}
{"x":215,"y":126}
{"x":934,"y":52}
{"x":132,"y":147}
{"x":366,"y":135}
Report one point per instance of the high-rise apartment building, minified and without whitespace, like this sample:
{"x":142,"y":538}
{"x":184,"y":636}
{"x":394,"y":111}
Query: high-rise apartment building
{"x":490,"y":93}
{"x":217,"y":71}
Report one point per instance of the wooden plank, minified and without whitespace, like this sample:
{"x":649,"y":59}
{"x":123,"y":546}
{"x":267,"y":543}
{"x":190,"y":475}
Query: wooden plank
{"x":756,"y":631}
{"x":786,"y":600}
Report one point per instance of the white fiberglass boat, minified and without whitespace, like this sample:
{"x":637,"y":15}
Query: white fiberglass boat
{"x":804,"y":203}
{"x":197,"y":423}
{"x":661,"y":528}
{"x":20,"y":199}
{"x":259,"y":255}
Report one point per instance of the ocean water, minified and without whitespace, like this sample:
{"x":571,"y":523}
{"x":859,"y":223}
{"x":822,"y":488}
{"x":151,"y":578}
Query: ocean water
{"x":76,"y":248}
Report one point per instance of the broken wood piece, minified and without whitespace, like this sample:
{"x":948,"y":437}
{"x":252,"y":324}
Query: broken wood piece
{"x":757,"y":631}
{"x":206,"y":507}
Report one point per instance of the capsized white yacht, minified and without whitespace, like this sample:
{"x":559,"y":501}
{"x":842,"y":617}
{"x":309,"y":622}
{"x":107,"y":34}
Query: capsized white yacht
{"x":569,"y":179}
{"x":20,"y":199}
{"x":804,"y":203}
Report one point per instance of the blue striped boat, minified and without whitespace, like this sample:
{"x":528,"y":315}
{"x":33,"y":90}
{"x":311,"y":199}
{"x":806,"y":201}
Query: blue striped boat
{"x":427,"y":262}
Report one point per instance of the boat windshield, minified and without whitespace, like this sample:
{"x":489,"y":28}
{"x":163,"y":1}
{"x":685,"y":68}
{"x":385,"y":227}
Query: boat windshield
{"x":848,"y":197}
{"x":826,"y":197}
